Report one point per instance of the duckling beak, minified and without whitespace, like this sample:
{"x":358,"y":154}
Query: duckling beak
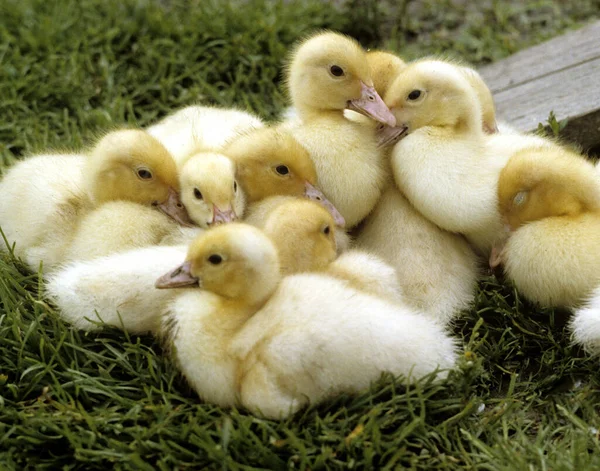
{"x":497,"y":253}
{"x":490,"y":129}
{"x":221,"y":217}
{"x":174,"y":208}
{"x":388,"y":135}
{"x":313,"y":193}
{"x":370,"y":104}
{"x":178,"y":278}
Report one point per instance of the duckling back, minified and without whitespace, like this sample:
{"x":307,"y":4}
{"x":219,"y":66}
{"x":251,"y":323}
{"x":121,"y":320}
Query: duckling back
{"x":318,"y":337}
{"x":42,"y":197}
{"x":437,"y":270}
{"x":555,"y":262}
{"x":201,"y":128}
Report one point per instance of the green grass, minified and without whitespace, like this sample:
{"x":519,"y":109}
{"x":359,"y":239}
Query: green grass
{"x":523,"y":397}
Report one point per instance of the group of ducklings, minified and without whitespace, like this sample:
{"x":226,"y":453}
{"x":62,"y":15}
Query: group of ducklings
{"x":286,"y":309}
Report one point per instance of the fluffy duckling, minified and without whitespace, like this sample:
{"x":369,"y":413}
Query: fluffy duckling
{"x":485,"y":97}
{"x":446,"y":165}
{"x":271,"y":162}
{"x":115,"y":290}
{"x":125,"y":165}
{"x":318,"y":336}
{"x":550,"y":202}
{"x":235,"y":269}
{"x":282,"y":215}
{"x":329,"y":73}
{"x":242,"y":339}
{"x":201,"y":128}
{"x":437,"y":271}
{"x":210,"y":191}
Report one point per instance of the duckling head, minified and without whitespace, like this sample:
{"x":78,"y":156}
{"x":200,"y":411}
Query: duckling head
{"x":329,"y":71}
{"x":546,"y":182}
{"x":210,"y":191}
{"x":134,"y":166}
{"x":385,"y":67}
{"x":235,"y":261}
{"x":304,"y":234}
{"x":270,"y":162}
{"x":434,"y":93}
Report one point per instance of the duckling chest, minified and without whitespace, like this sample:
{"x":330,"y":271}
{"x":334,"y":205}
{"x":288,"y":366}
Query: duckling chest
{"x":350,"y":168}
{"x":452,"y":183}
{"x":201,"y":335}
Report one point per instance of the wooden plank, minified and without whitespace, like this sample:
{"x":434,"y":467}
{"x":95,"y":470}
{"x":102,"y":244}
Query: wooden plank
{"x":561,"y":75}
{"x":562,"y":52}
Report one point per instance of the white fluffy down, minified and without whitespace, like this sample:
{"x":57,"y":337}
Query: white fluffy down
{"x":117,"y":290}
{"x":586,"y":324}
{"x":317,"y":337}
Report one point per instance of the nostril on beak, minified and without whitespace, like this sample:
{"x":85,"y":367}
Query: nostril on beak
{"x":371,"y":98}
{"x":180,"y":205}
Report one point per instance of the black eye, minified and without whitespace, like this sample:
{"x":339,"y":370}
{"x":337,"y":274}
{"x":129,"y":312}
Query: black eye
{"x":234,"y":186}
{"x":414,"y":94}
{"x":144,"y":174}
{"x":282,"y":170}
{"x":326,"y":230}
{"x":336,"y":71}
{"x":197,"y":194}
{"x":215,"y":259}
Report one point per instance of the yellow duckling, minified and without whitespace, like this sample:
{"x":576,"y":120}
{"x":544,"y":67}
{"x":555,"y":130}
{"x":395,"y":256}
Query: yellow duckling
{"x":271,"y":162}
{"x":210,"y":191}
{"x":196,"y":129}
{"x":329,"y":73}
{"x":550,"y":202}
{"x":236,"y":269}
{"x":125,"y":165}
{"x":246,"y":339}
{"x":446,"y":165}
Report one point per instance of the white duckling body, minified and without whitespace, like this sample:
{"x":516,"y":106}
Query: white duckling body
{"x":195,"y":129}
{"x":40,"y":215}
{"x":586,"y":323}
{"x":329,"y":73}
{"x":317,"y":337}
{"x":115,"y":290}
{"x":437,"y":270}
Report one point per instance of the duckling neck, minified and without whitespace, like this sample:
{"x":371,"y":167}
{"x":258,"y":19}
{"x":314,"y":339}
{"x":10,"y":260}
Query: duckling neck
{"x":308,"y":113}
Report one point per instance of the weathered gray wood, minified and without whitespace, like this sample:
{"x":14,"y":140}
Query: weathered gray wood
{"x":560,"y":75}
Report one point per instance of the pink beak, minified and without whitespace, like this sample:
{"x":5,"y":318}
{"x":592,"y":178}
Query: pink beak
{"x":178,"y":278}
{"x":389,"y":136}
{"x":370,"y":104}
{"x":313,"y":193}
{"x":175,"y":209}
{"x":221,"y":217}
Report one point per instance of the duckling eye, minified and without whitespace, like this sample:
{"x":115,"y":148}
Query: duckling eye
{"x":234,"y":186}
{"x":326,"y":230}
{"x":336,"y":71}
{"x":414,"y":95}
{"x":197,"y":194}
{"x":144,"y":174}
{"x":520,"y":198}
{"x":215,"y":259}
{"x":282,"y":170}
